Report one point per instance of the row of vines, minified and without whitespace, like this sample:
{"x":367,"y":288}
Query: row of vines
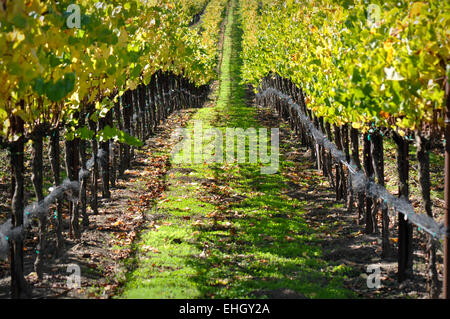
{"x":363,"y":72}
{"x":99,"y":89}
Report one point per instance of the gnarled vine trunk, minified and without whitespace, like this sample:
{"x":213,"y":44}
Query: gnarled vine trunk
{"x":19,"y":286}
{"x":54,"y":153}
{"x":36,"y":179}
{"x":72,"y":168}
{"x":405,"y":230}
{"x":423,"y":157}
{"x":378,"y":165}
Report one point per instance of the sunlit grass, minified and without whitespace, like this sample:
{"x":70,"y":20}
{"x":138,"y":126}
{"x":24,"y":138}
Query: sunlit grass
{"x":203,"y":247}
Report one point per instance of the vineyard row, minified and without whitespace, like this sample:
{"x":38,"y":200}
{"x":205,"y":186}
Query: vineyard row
{"x":354,"y":180}
{"x":102,"y":88}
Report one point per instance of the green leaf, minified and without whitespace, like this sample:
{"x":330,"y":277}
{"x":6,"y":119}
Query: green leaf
{"x":19,"y":21}
{"x":111,"y":71}
{"x":131,"y":140}
{"x":69,"y":82}
{"x":38,"y":85}
{"x":54,"y":60}
{"x":356,"y":78}
{"x":70,"y":136}
{"x":84,"y":133}
{"x":109,"y":132}
{"x":55,"y":91}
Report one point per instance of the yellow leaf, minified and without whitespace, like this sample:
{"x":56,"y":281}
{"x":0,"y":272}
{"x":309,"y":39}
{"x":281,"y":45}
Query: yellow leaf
{"x":389,"y":50}
{"x":132,"y":84}
{"x":223,"y":282}
{"x":415,"y":9}
{"x":118,"y":223}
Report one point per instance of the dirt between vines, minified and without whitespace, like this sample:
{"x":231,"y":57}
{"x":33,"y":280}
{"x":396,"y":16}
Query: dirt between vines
{"x":345,"y":243}
{"x":107,"y":241}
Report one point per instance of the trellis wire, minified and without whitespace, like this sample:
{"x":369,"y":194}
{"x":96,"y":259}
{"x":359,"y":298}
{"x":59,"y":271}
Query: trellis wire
{"x":36,"y":209}
{"x":360,"y":182}
{"x":67,"y":187}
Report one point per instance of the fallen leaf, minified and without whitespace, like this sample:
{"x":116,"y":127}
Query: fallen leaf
{"x":118,"y":223}
{"x":267,"y":237}
{"x":147,"y":248}
{"x":289,"y":238}
{"x":223,"y":282}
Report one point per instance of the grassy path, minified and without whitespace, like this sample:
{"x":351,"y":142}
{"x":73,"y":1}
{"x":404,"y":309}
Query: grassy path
{"x":225,"y":230}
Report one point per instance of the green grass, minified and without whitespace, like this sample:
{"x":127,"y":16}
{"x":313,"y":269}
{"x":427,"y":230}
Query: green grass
{"x":203,"y":247}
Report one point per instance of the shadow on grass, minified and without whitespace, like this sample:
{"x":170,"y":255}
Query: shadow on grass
{"x":269,"y":246}
{"x":257,"y":246}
